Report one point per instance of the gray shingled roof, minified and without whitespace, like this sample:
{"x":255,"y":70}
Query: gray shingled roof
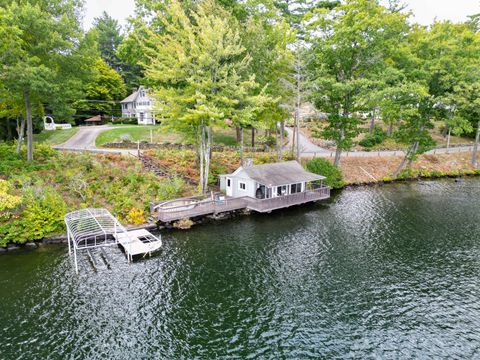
{"x":282,"y":173}
{"x":130,"y":98}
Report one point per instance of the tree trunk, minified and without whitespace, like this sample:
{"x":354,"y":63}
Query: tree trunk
{"x":21,"y":133}
{"x":412,"y":158}
{"x":390,"y":128}
{"x":239,"y":131}
{"x":445,"y":130}
{"x":208,"y":156}
{"x":241,"y":147}
{"x":277,"y":143}
{"x":338,"y":152}
{"x":293,"y":139}
{"x":475,"y":146}
{"x":28,"y":113}
{"x":202,"y":156}
{"x":448,"y":138}
{"x":253,"y":137}
{"x":405,"y":159}
{"x":372,"y":123}
{"x":282,"y":131}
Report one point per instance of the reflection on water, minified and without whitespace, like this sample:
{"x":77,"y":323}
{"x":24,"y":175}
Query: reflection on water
{"x":388,"y":272}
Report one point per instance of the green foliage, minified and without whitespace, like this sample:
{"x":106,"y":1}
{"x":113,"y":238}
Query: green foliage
{"x":109,"y":40}
{"x":41,"y":215}
{"x":377,"y":137}
{"x":170,"y":188}
{"x":325,"y":168}
{"x":354,"y":42}
{"x":37,"y":194}
{"x":55,"y":137}
{"x":103,"y":89}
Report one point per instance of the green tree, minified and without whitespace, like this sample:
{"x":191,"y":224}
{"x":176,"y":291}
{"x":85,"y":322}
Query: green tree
{"x":351,"y":46}
{"x":109,"y":39}
{"x":45,"y":56}
{"x":197,"y":66}
{"x":416,"y":108}
{"x":103,"y":91}
{"x":468,"y":103}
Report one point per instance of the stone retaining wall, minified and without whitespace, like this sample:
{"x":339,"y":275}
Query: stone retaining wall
{"x":169,"y":146}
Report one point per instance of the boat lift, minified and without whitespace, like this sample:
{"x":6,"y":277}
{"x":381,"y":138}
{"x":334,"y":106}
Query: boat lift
{"x":97,"y":228}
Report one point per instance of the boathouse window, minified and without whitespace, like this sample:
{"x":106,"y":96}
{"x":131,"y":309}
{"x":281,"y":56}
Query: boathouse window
{"x":295,"y":188}
{"x":281,"y":190}
{"x":229,"y":182}
{"x":242,"y":186}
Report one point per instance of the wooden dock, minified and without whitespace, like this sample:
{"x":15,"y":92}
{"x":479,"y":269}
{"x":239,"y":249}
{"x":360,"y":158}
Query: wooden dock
{"x":212,"y":207}
{"x":138,"y":242}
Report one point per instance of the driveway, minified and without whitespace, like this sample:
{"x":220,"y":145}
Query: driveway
{"x":84,"y":140}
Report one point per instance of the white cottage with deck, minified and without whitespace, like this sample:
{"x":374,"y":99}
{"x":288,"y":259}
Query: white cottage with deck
{"x":269,"y":181}
{"x":139,"y":105}
{"x":260,"y":188}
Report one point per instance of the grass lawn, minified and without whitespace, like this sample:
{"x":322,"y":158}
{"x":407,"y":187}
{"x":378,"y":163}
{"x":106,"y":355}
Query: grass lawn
{"x":136,"y":133}
{"x":221,"y":136}
{"x":55,"y":137}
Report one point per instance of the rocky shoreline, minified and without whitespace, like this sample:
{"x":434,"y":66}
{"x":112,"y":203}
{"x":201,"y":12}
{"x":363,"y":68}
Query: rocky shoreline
{"x":182,"y":225}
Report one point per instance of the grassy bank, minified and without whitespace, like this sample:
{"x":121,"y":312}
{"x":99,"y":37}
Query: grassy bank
{"x":34,"y":197}
{"x":149,"y":133}
{"x":361,"y":170}
{"x":55,"y":137}
{"x":40,"y":193}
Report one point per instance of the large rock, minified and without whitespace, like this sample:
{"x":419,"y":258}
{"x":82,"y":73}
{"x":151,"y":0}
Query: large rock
{"x":3,"y":249}
{"x":31,"y":244}
{"x":12,"y":247}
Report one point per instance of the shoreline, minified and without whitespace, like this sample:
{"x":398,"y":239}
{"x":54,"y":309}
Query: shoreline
{"x":62,"y":238}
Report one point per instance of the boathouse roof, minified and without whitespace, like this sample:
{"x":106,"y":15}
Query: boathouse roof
{"x":281,"y":173}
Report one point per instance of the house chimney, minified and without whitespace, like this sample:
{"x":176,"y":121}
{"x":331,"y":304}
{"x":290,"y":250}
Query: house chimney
{"x":247,"y":162}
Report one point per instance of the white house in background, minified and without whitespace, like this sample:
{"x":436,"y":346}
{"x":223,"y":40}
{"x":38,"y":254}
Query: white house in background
{"x":139,"y":105}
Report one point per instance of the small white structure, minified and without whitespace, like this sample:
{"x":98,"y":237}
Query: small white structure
{"x":49,"y":124}
{"x":269,"y":181}
{"x":94,"y":228}
{"x":139,"y":105}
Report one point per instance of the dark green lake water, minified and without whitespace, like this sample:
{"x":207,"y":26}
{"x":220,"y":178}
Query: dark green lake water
{"x":389,"y":272}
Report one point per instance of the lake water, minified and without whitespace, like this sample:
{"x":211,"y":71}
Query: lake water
{"x":387,"y":272}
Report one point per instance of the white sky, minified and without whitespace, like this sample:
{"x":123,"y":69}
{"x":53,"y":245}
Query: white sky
{"x":425,"y":11}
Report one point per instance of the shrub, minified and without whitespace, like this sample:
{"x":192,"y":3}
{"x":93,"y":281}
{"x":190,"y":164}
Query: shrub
{"x":122,"y":120}
{"x":135,"y":216}
{"x":42,"y":215}
{"x":377,"y":137}
{"x":170,"y":188}
{"x":324,"y":167}
{"x":8,"y":202}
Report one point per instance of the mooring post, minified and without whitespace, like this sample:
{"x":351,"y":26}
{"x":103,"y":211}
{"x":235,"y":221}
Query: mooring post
{"x":75,"y":258}
{"x":68,"y":240}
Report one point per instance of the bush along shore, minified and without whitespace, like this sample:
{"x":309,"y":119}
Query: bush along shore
{"x":34,"y":197}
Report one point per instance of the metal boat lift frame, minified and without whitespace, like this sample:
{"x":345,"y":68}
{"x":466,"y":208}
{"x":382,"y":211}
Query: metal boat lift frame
{"x":91,"y":228}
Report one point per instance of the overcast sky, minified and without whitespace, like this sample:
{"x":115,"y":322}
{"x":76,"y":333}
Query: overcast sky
{"x":425,"y":11}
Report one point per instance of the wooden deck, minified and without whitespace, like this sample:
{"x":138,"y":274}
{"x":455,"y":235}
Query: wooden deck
{"x":138,"y":242}
{"x":210,"y":207}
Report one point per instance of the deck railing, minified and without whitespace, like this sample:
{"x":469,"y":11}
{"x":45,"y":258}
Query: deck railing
{"x":201,"y":208}
{"x":231,"y":204}
{"x":264,"y":205}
